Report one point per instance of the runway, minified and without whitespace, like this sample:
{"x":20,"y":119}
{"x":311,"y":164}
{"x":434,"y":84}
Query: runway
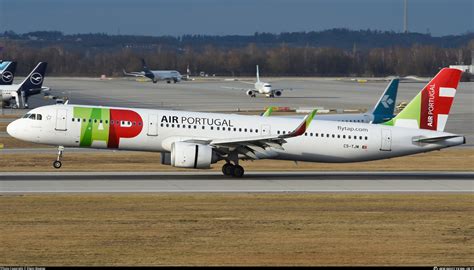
{"x":352,"y":182}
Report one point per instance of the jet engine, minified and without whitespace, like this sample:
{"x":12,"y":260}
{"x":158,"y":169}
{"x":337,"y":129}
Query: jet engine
{"x":277,"y":93}
{"x":251,"y":93}
{"x":191,"y":155}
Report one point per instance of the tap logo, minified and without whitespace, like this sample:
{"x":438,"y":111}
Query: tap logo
{"x":7,"y":76}
{"x":36,"y":78}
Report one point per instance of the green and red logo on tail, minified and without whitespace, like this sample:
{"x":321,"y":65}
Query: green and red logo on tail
{"x":430,"y":108}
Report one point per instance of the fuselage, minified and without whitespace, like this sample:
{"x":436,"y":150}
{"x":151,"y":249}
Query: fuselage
{"x":263,"y":87}
{"x":167,"y":75}
{"x":157,"y":130}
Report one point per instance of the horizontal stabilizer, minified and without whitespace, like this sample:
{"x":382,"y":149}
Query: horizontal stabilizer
{"x":435,"y":139}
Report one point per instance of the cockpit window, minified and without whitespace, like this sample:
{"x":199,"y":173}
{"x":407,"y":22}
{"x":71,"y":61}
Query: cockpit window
{"x":26,"y":115}
{"x":39,"y":117}
{"x":32,"y":116}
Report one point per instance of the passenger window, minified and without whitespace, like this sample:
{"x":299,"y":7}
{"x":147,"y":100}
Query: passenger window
{"x":349,"y":136}
{"x":311,"y":134}
{"x":333,"y":135}
{"x":343,"y":136}
{"x":256,"y":131}
{"x":172,"y":125}
{"x":167,"y":125}
{"x":73,"y":119}
{"x":316,"y":134}
{"x":245,"y":130}
{"x":240,"y":129}
{"x":360,"y":137}
{"x":203,"y":127}
{"x":106,"y":121}
{"x":366,"y":138}
{"x":218,"y":128}
{"x":327,"y":135}
{"x":278,"y":132}
{"x":83,"y":120}
{"x":338,"y":136}
{"x":212,"y":128}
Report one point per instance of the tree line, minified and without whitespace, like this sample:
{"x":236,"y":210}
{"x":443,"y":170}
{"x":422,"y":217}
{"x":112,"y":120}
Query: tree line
{"x":282,"y":60}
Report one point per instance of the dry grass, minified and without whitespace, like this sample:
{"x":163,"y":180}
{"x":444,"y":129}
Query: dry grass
{"x":237,"y":229}
{"x":9,"y":142}
{"x":447,"y":160}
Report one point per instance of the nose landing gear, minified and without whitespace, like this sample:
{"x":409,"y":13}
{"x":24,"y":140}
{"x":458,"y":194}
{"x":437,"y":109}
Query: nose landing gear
{"x":57,"y":163}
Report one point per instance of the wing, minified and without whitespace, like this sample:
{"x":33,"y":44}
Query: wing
{"x":134,"y":74}
{"x":242,"y":89}
{"x":249,"y":146}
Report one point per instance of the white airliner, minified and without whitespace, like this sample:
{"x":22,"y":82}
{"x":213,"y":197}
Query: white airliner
{"x":197,"y":140}
{"x":262,"y":88}
{"x":156,"y":75}
{"x":382,"y":111}
{"x":17,"y":95}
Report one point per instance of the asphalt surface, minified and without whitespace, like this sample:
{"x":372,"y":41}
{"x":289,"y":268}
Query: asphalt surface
{"x":356,"y":182}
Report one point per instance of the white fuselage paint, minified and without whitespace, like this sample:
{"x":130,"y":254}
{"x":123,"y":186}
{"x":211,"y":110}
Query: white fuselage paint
{"x":164,"y":75}
{"x":263,"y":88}
{"x":336,"y":141}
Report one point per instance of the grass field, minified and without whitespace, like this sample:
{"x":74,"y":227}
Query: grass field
{"x":446,"y":160}
{"x":237,"y":229}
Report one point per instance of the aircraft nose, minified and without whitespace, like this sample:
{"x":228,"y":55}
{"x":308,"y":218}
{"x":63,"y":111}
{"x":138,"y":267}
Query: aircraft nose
{"x":12,"y":128}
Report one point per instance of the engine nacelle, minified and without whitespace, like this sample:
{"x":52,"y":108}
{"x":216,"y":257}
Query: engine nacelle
{"x":192,"y":155}
{"x":278,"y":93}
{"x":250,"y":93}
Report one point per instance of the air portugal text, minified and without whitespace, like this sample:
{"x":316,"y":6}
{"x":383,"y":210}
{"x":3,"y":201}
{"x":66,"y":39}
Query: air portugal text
{"x":172,"y":119}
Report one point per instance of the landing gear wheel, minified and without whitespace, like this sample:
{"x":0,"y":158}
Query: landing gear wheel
{"x":227,"y":169}
{"x":57,"y":164}
{"x":238,"y":171}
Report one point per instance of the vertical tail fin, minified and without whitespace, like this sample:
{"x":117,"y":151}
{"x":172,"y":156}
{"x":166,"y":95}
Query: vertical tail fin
{"x":7,"y":72}
{"x":35,"y":79}
{"x":258,"y":76}
{"x":147,"y":71}
{"x":430,"y":108}
{"x":384,"y":108}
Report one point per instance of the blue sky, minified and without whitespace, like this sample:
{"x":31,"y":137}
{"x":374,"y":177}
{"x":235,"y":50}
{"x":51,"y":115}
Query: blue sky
{"x":225,"y":17}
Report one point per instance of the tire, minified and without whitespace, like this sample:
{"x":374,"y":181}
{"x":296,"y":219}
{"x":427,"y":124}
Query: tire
{"x":238,"y":171}
{"x":57,"y":164}
{"x":228,"y":169}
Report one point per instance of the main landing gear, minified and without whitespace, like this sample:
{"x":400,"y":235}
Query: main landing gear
{"x":233,"y":170}
{"x":57,"y":163}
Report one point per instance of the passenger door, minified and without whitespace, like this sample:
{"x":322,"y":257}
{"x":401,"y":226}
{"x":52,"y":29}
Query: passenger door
{"x":386,"y":143}
{"x":61,"y":119}
{"x":152,"y":125}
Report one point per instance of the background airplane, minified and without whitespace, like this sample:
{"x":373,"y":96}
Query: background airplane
{"x":7,"y":72}
{"x":156,"y":75}
{"x":17,"y":95}
{"x":262,"y":88}
{"x":382,"y":111}
{"x":197,"y":140}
